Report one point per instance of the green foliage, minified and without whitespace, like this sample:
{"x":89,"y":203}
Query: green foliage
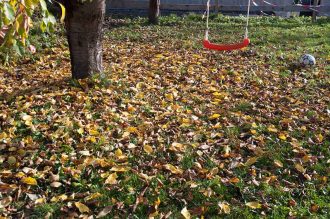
{"x":16,"y":19}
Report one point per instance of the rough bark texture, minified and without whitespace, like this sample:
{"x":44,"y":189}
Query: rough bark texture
{"x":153,"y":11}
{"x":84,"y":31}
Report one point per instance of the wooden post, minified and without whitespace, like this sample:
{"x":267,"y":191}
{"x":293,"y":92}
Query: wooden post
{"x":314,"y":16}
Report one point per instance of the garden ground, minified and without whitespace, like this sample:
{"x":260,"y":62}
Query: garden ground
{"x":173,"y":130}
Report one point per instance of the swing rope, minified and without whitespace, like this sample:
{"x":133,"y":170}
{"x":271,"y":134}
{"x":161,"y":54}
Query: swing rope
{"x":224,"y":47}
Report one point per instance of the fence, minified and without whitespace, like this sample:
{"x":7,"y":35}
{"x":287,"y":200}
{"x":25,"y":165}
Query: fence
{"x":280,"y":7}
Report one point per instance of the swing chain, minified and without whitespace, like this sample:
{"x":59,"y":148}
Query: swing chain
{"x":246,"y":35}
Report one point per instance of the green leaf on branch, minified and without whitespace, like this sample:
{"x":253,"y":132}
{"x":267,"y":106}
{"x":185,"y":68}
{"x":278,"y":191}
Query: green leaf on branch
{"x":9,"y":13}
{"x":43,"y":5}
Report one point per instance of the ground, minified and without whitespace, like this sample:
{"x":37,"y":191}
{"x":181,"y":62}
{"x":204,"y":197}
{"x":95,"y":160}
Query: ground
{"x":173,"y":130}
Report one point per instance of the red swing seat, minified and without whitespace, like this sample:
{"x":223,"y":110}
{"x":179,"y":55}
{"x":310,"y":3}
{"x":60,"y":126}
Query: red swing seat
{"x":226,"y":47}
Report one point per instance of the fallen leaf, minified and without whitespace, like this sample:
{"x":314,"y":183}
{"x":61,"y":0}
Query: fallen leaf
{"x":214,"y":116}
{"x":29,"y":181}
{"x":224,"y":207}
{"x":185,"y":213}
{"x":253,"y":205}
{"x":251,"y":161}
{"x":299,"y":168}
{"x":282,"y":136}
{"x":112,"y":179}
{"x":58,"y":198}
{"x":105,"y":211}
{"x":55,"y":184}
{"x":314,"y":208}
{"x":278,"y":163}
{"x":173,"y":169}
{"x":234,"y":180}
{"x":120,"y":169}
{"x":82,"y":208}
{"x":272,"y":128}
{"x":11,"y":160}
{"x":93,"y":196}
{"x":177,"y":147}
{"x":148,"y":149}
{"x":5,"y":202}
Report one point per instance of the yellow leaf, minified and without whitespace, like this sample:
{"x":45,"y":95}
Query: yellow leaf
{"x":63,"y":12}
{"x":62,"y":197}
{"x":251,"y":161}
{"x":148,"y":149}
{"x":80,"y":131}
{"x":19,"y":175}
{"x":299,"y":168}
{"x":153,"y":214}
{"x":82,"y":208}
{"x":278,"y":163}
{"x":92,"y":139}
{"x":157,"y":202}
{"x":272,"y":128}
{"x":253,"y":205}
{"x":118,"y":153}
{"x":29,"y":181}
{"x":319,"y":138}
{"x":224,"y":207}
{"x":177,"y":147}
{"x":120,"y":169}
{"x":173,"y":169}
{"x":282,"y":136}
{"x":132,"y":130}
{"x":112,"y":179}
{"x":214,"y":116}
{"x":93,"y":132}
{"x":26,"y":117}
{"x":185,"y":213}
{"x":40,"y":201}
{"x":253,"y":131}
{"x":254,"y":125}
{"x":93,"y":196}
{"x":169,"y":97}
{"x":3,"y":135}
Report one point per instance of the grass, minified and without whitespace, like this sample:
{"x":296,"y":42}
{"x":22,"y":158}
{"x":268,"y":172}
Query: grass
{"x":161,"y":88}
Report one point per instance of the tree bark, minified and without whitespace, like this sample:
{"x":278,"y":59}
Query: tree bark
{"x":153,"y":11}
{"x":83,"y":23}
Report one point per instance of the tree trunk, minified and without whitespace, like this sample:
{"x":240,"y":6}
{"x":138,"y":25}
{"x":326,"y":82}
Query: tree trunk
{"x":84,"y":32}
{"x":153,"y":11}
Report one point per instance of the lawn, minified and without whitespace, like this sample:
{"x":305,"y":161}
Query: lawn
{"x":173,"y":130}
